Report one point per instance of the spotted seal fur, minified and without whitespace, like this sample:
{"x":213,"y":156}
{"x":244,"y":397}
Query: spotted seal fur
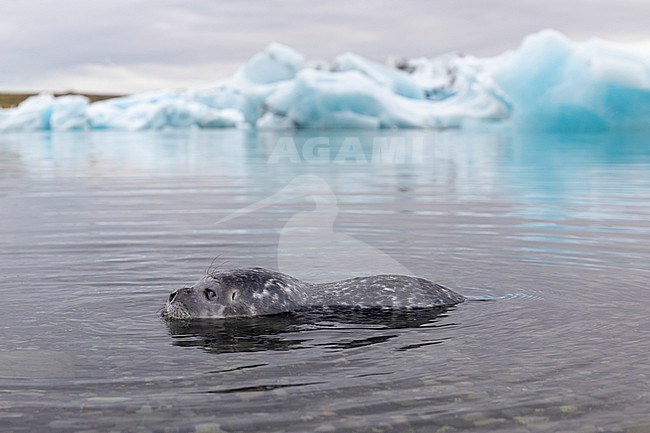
{"x":258,"y":291}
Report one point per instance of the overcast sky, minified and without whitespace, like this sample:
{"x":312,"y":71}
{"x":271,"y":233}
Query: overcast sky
{"x":135,"y":45}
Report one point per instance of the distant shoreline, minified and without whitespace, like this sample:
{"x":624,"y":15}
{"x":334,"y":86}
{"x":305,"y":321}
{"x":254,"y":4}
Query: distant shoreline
{"x":8,"y":100}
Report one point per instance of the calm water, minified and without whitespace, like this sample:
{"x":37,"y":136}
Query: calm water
{"x":551,"y":232}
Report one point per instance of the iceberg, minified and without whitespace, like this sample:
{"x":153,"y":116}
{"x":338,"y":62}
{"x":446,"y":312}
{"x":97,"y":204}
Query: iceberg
{"x":548,"y":84}
{"x":44,"y":111}
{"x":558,"y":85}
{"x":159,"y":110}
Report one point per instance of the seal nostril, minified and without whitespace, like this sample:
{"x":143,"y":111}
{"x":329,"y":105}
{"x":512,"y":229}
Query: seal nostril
{"x":172,"y":296}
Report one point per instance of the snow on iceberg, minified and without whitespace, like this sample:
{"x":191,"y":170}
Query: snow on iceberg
{"x":549,"y":83}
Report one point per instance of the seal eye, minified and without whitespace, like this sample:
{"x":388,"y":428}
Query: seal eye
{"x":209,"y":294}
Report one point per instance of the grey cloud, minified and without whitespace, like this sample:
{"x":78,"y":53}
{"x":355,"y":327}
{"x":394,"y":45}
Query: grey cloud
{"x":49,"y":36}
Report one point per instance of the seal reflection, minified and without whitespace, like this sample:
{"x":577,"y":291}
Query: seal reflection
{"x":291,"y":331}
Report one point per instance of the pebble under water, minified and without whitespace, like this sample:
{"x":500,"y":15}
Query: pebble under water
{"x":547,"y":235}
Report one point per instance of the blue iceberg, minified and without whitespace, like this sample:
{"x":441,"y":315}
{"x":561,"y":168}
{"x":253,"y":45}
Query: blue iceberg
{"x":557,"y":85}
{"x":548,"y":84}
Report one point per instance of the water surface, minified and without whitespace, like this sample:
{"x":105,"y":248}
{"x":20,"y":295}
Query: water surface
{"x":550,"y":232}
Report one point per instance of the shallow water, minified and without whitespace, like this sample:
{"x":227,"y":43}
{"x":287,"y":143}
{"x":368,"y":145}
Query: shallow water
{"x":547,"y":235}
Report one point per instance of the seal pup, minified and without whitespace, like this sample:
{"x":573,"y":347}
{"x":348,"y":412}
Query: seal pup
{"x":258,"y":291}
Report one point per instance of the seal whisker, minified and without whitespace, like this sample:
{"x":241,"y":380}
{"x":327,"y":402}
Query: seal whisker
{"x":214,"y":268}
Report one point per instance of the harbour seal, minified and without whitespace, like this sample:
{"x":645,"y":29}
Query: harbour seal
{"x":258,"y":291}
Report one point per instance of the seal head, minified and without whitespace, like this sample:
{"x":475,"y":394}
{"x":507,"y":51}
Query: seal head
{"x":236,"y":293}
